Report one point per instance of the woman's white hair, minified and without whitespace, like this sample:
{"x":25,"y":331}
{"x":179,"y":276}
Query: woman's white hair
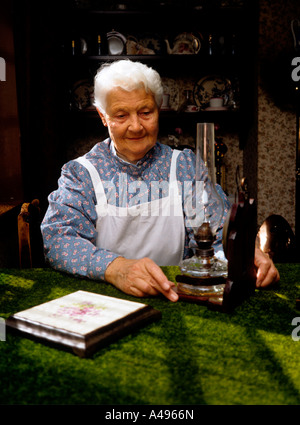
{"x":127,"y":75}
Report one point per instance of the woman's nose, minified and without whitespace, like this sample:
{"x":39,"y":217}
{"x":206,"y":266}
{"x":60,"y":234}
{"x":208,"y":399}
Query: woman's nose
{"x":135,"y":124}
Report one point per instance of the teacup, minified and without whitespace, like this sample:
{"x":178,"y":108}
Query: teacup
{"x":216,"y":102}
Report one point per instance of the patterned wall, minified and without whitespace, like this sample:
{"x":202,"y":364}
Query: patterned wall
{"x":276,"y":144}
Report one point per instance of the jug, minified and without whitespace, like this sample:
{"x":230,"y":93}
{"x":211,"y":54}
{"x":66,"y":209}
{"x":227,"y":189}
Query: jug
{"x":116,"y":42}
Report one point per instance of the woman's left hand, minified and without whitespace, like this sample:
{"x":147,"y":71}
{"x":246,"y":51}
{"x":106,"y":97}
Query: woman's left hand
{"x":266,"y":271}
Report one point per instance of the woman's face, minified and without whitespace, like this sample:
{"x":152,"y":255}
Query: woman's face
{"x":132,"y":121}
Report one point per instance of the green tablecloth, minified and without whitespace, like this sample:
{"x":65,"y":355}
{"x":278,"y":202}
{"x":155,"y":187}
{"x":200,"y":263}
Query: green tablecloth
{"x":193,"y":355}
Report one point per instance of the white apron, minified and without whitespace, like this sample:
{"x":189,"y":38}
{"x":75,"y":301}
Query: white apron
{"x":153,"y":229}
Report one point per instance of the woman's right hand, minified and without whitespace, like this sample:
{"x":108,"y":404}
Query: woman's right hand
{"x":140,"y":278}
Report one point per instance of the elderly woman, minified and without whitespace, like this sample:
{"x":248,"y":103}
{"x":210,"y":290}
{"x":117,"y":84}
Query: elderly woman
{"x":113,"y":216}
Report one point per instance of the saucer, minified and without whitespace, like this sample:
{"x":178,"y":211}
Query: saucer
{"x":218,"y":108}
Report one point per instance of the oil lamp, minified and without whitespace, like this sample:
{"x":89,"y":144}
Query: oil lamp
{"x":204,"y":275}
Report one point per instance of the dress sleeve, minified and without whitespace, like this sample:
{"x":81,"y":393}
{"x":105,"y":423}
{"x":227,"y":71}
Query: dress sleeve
{"x":69,"y":226}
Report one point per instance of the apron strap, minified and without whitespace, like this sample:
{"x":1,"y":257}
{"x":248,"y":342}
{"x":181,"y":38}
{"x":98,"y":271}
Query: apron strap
{"x":96,"y":180}
{"x":173,"y":178}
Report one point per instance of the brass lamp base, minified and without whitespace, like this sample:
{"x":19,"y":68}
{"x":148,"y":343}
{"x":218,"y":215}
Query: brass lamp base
{"x":201,"y":290}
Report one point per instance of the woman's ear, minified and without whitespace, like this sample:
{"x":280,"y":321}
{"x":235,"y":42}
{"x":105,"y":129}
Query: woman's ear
{"x":102,"y":117}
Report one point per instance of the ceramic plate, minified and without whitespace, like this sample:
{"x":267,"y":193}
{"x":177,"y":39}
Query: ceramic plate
{"x":210,"y":86}
{"x":81,"y":94}
{"x":115,"y":46}
{"x":152,"y":42}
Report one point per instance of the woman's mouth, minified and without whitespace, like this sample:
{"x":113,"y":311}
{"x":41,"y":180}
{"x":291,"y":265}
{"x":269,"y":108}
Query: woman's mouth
{"x":135,"y":139}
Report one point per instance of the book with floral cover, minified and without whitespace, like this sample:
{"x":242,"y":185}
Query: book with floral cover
{"x":82,"y":321}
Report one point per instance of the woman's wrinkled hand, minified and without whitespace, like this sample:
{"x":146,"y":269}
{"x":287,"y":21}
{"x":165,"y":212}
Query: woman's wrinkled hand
{"x":140,"y":278}
{"x":266,"y":271}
